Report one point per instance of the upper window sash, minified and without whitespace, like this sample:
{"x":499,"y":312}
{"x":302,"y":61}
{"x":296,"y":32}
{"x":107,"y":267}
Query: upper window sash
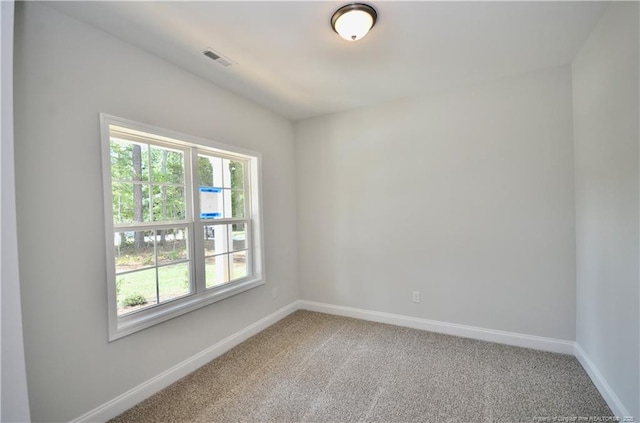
{"x":156,"y":174}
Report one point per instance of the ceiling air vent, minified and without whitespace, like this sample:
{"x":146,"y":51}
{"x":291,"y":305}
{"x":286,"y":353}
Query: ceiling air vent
{"x":217,"y":57}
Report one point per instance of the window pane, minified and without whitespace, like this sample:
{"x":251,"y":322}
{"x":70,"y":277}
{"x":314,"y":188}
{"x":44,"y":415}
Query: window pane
{"x":216,"y":270}
{"x":122,"y":199}
{"x":171,"y":245}
{"x":205,"y":172}
{"x":215,"y":239}
{"x":226,"y":198}
{"x":136,"y":291}
{"x":226,"y":173}
{"x":211,"y":203}
{"x":129,"y":161}
{"x":238,"y":265}
{"x":167,"y":165}
{"x":236,"y":174}
{"x":168,"y":203}
{"x":210,"y":171}
{"x":130,"y":202}
{"x":173,"y":281}
{"x":237,"y":203}
{"x":134,"y":250}
{"x":237,"y":236}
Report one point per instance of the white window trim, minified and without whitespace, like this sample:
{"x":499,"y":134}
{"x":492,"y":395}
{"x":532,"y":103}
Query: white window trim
{"x":131,"y":323}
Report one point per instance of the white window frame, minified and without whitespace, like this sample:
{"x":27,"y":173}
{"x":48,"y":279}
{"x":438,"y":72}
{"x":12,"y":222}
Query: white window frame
{"x":120,"y":326}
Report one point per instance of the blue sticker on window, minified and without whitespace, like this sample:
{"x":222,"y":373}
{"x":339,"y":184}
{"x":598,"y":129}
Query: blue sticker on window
{"x":209,"y":207}
{"x":209,"y":215}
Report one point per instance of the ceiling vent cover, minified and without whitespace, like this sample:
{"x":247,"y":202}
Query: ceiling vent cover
{"x":217,"y":57}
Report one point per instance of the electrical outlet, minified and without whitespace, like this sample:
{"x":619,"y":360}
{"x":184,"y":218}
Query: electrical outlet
{"x":274,"y":292}
{"x":416,"y":296}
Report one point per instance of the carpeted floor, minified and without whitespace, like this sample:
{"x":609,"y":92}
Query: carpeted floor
{"x":313,"y":367}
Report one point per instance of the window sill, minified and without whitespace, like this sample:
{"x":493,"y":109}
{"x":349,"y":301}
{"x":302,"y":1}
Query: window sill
{"x":135,"y":322}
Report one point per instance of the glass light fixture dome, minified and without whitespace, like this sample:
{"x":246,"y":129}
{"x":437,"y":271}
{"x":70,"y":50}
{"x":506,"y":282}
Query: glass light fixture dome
{"x":353,"y":21}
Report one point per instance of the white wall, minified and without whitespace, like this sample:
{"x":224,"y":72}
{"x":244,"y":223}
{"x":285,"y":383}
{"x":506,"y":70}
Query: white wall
{"x":15,"y":401}
{"x":66,"y":73}
{"x":605,"y":104}
{"x":466,"y":197}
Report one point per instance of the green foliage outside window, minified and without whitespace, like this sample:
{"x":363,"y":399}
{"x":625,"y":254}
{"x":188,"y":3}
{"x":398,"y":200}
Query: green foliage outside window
{"x":133,"y":178}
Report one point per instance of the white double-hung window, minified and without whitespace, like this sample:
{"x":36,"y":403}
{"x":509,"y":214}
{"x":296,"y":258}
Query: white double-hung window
{"x":183,"y":225}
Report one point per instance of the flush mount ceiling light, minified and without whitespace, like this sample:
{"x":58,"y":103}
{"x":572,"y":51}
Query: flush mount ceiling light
{"x":354,"y":21}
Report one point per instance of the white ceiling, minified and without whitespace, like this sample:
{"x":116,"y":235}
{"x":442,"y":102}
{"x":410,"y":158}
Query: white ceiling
{"x":289,"y":59}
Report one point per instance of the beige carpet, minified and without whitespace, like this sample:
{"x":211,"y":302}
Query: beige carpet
{"x":313,"y":367}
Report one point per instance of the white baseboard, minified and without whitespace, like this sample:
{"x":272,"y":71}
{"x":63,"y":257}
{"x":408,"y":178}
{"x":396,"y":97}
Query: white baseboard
{"x":607,"y":393}
{"x":490,"y":335}
{"x":143,"y":391}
